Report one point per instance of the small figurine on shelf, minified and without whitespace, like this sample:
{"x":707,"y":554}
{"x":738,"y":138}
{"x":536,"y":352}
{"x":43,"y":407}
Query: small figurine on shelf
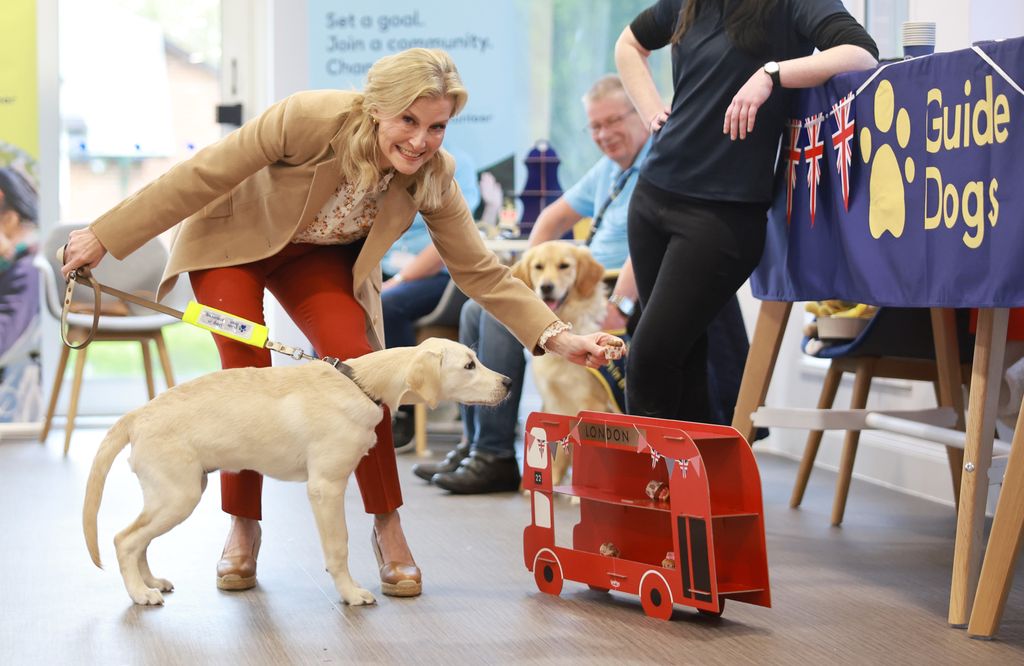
{"x":670,"y":560}
{"x":657,"y":491}
{"x":609,"y":550}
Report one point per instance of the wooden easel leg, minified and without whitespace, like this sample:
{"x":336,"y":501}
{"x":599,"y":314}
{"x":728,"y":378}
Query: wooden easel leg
{"x":757,"y":373}
{"x":859,"y":400}
{"x":825,"y":401}
{"x":989,"y":347}
{"x":1003,"y":543}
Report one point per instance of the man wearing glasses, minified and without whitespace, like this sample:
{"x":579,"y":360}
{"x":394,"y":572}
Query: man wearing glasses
{"x":485,"y":461}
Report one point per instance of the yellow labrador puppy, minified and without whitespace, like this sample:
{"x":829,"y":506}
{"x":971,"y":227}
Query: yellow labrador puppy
{"x":310,"y":422}
{"x":571,"y":282}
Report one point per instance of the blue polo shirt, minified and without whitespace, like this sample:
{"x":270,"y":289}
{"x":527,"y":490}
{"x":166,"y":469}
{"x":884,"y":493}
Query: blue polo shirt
{"x":610,"y":245}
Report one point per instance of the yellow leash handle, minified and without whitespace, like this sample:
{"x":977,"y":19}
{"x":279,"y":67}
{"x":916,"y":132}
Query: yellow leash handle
{"x":226,"y":324}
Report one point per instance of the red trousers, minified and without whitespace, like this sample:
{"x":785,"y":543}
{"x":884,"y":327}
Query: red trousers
{"x":314,"y":285}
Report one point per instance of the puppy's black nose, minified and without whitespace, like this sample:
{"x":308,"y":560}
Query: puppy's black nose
{"x":506,"y":382}
{"x":546,"y":289}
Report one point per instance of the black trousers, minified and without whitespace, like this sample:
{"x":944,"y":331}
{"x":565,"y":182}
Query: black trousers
{"x":689,"y":258}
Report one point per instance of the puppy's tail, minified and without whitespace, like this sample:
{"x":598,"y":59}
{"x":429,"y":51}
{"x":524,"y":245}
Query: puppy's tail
{"x":117,"y":438}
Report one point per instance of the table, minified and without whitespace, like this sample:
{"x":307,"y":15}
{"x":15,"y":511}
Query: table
{"x":886,"y":195}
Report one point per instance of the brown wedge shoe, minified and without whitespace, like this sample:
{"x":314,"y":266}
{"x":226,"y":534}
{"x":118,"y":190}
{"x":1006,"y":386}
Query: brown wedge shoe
{"x":238,"y":572}
{"x":397,"y":579}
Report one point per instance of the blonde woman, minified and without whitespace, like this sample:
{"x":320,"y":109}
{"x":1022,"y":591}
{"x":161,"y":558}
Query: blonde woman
{"x":304,"y":201}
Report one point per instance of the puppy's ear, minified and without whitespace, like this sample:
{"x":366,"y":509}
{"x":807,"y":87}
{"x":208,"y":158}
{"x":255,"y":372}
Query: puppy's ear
{"x":424,"y":376}
{"x":521,"y":269}
{"x":589,"y":272}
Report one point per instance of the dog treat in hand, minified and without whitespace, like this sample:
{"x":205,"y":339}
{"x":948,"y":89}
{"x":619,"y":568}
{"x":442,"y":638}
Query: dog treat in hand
{"x":609,"y":550}
{"x":670,"y":560}
{"x":613,"y":349}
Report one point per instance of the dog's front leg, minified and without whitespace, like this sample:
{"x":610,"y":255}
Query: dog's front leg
{"x":327,"y":498}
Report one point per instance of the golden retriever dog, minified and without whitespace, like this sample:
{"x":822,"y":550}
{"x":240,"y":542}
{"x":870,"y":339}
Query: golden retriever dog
{"x":311,"y":422}
{"x":571,"y":282}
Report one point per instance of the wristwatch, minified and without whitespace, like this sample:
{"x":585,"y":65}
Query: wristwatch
{"x":772,"y":70}
{"x":623,"y":304}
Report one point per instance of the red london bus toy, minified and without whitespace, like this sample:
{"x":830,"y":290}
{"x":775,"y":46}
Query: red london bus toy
{"x":669,"y":510}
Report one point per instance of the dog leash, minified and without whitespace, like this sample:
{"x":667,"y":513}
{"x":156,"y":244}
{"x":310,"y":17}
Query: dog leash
{"x":202,"y":316}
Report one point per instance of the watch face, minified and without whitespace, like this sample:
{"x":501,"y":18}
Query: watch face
{"x":771,"y":67}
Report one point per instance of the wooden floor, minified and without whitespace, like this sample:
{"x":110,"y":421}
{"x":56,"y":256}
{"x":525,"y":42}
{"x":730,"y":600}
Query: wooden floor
{"x":874,"y":591}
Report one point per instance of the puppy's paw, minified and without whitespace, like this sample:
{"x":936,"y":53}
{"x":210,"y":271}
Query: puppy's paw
{"x":357,"y":596}
{"x":161,"y":584}
{"x":147,"y":597}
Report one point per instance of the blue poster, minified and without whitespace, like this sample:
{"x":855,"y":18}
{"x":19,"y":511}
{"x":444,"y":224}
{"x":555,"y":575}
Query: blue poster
{"x":488,"y":42}
{"x":903,"y":186}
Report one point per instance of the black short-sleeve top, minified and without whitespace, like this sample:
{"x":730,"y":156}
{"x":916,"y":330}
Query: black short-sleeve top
{"x":691,"y":156}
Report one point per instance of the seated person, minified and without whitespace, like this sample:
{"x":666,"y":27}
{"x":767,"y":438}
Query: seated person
{"x":415,"y":279}
{"x":19,"y":280}
{"x":487,"y":454}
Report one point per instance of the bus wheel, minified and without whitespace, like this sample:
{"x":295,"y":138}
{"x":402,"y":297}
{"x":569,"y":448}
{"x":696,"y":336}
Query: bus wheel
{"x":548,"y":575}
{"x":656,"y":598}
{"x":708,"y":613}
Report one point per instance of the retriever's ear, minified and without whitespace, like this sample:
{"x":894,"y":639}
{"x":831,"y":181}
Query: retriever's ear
{"x":521,"y":269}
{"x":589,"y":272}
{"x":423,"y":376}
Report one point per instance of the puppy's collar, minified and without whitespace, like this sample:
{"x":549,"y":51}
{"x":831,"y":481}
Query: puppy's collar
{"x":347,"y":370}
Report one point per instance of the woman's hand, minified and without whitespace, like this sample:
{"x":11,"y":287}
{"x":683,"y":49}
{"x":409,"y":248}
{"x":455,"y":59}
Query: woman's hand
{"x":739,"y":117}
{"x":83,"y":249}
{"x":592,"y":350}
{"x":658,"y":120}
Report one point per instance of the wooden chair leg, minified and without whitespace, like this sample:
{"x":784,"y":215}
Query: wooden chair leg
{"x":62,"y":365}
{"x":954,"y":455}
{"x":147,"y":366}
{"x":825,"y":401}
{"x":76,"y":389}
{"x":420,"y":429}
{"x":859,"y":400}
{"x":165,"y":358}
{"x":950,"y":384}
{"x":1003,"y":544}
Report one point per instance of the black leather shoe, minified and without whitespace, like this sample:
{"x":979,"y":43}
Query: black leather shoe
{"x":426,"y":471}
{"x":481,"y":473}
{"x":403,"y":428}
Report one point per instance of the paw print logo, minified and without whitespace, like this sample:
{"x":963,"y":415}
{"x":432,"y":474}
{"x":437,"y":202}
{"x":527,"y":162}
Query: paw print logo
{"x":887,"y":211}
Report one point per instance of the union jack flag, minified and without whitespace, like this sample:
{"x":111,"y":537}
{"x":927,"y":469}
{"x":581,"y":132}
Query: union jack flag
{"x":813,"y":153}
{"x":792,"y":159}
{"x":842,"y":141}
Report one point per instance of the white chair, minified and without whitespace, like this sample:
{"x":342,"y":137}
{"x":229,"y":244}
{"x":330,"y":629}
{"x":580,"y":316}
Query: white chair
{"x":138,"y":274}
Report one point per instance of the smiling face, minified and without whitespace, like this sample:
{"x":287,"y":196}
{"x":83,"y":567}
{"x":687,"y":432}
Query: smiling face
{"x":616,"y":128}
{"x":408,"y":140}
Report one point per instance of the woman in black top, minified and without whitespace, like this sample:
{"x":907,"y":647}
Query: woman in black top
{"x":697,"y":217}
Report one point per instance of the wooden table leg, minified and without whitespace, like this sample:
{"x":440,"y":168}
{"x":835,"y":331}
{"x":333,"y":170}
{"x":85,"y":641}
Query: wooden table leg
{"x":1003,"y":543}
{"x":757,"y":373}
{"x":950,"y":384}
{"x":989,"y":348}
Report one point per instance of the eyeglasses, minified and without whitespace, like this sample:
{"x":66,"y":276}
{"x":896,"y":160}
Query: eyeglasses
{"x":608,"y":123}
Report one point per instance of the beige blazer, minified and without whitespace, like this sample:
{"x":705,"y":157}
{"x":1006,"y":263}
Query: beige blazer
{"x":244,"y":198}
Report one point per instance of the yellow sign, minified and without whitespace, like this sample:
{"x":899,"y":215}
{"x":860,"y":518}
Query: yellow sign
{"x":19,"y":98}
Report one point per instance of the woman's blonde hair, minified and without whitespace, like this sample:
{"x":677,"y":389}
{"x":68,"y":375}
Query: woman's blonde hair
{"x":393,"y":83}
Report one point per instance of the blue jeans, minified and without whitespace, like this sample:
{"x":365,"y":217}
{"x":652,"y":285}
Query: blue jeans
{"x":492,"y":429}
{"x":405,"y":303}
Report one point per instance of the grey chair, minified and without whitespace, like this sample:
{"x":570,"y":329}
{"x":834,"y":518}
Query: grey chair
{"x":137,"y":274}
{"x":441,"y":322}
